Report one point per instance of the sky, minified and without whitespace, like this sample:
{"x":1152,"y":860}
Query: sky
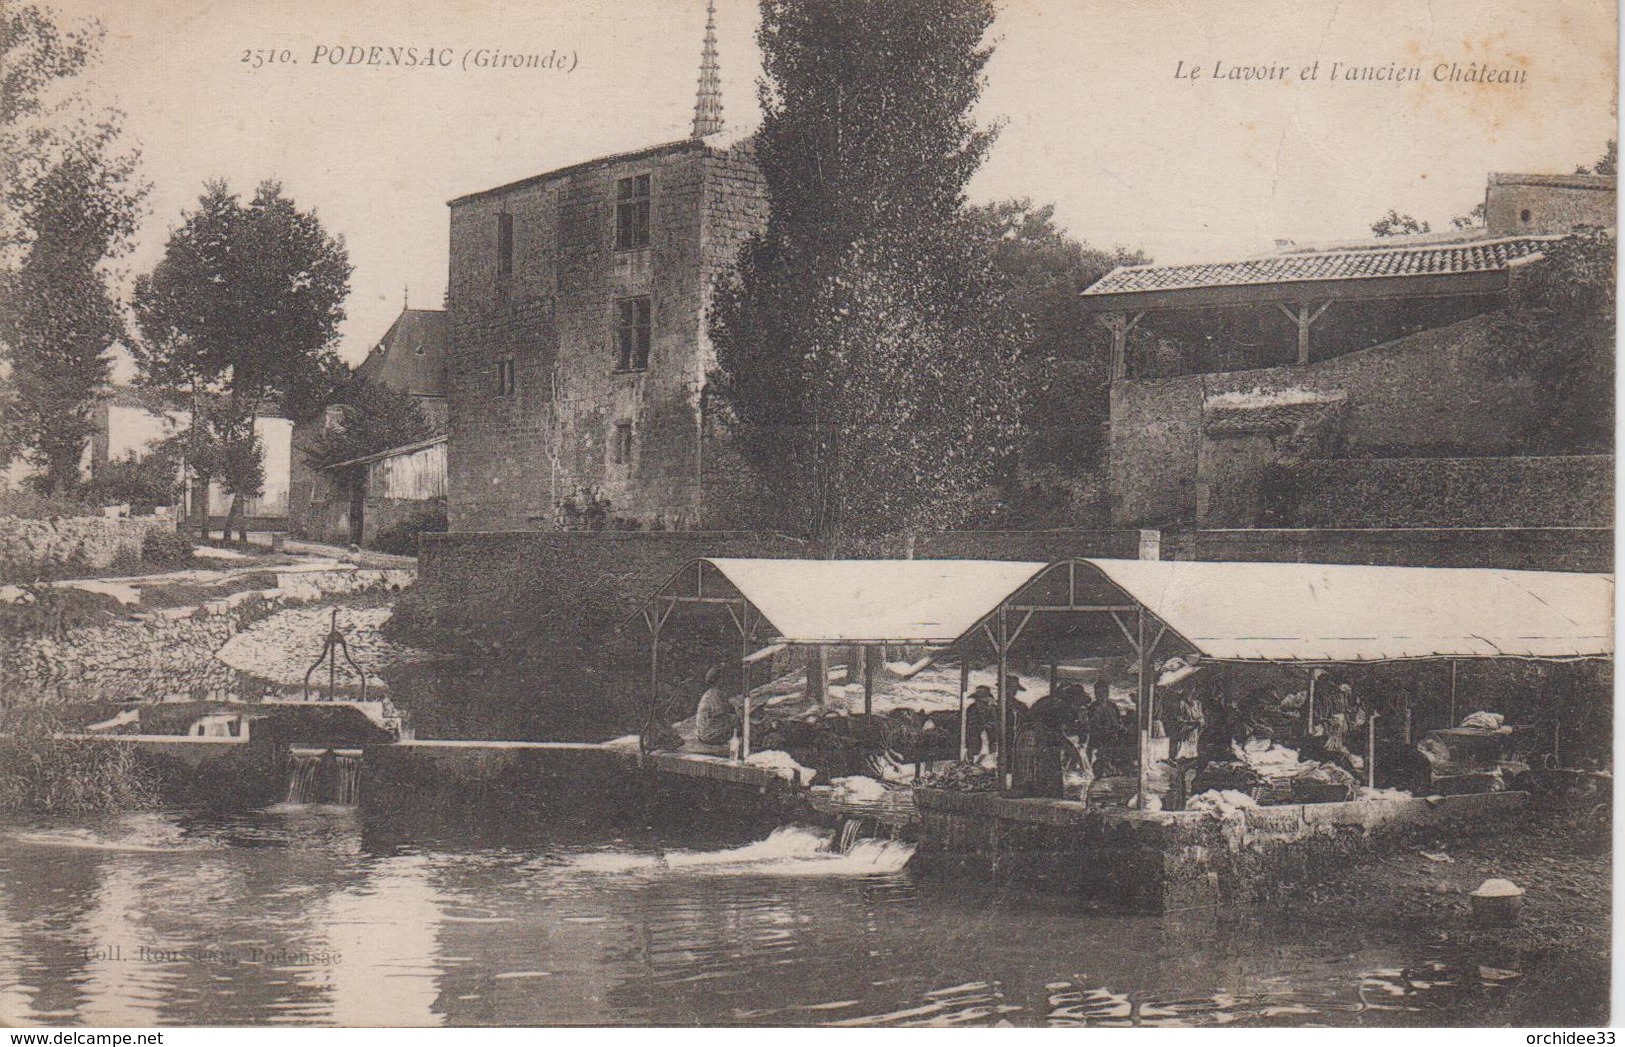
{"x":1096,"y":114}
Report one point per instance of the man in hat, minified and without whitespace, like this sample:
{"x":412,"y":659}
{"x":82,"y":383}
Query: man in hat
{"x":981,"y":718}
{"x":715,"y":719}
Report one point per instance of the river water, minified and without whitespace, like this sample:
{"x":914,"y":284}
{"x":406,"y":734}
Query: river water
{"x":305,"y":915}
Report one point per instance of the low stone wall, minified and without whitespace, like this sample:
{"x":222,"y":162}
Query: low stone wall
{"x":1557,"y":491}
{"x":28,"y":545}
{"x":1163,"y":861}
{"x":560,"y":783}
{"x":1513,"y":548}
{"x":166,"y":653}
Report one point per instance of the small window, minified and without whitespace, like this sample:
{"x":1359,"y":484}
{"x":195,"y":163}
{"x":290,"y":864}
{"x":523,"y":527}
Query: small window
{"x":623,"y":443}
{"x":1525,"y":216}
{"x":504,"y":244}
{"x":506,"y":383}
{"x":632,"y":213}
{"x":632,"y":334}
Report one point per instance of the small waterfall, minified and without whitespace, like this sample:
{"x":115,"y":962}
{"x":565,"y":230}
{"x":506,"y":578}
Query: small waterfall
{"x":331,"y":776}
{"x":851,"y":833}
{"x":303,"y":768}
{"x":348,"y":790}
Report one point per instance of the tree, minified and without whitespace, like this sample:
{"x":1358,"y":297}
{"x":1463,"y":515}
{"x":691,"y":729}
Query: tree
{"x":1473,"y":219}
{"x":246,"y":303}
{"x":1558,"y":330}
{"x":59,"y":318}
{"x":69,"y":200}
{"x":1395,"y":224}
{"x":866,"y":145}
{"x":375,"y":418}
{"x":1065,"y":374}
{"x":1607,"y":163}
{"x":36,"y":55}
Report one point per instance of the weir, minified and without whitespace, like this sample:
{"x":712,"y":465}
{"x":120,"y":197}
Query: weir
{"x":317,"y":775}
{"x":1143,"y":860}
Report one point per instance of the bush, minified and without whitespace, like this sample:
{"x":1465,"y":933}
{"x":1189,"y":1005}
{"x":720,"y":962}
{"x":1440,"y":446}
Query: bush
{"x":142,"y":484}
{"x":402,"y":538}
{"x":42,"y":773}
{"x":161,"y":548}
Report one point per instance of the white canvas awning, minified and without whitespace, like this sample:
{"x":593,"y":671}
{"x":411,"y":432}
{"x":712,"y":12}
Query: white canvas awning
{"x":1295,"y":612}
{"x":1241,"y":612}
{"x":860,"y":601}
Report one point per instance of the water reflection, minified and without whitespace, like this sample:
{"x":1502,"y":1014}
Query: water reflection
{"x":301,"y":916}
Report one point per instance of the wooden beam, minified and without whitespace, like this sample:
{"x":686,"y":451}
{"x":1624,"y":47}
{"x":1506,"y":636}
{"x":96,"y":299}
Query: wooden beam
{"x":1120,"y":324}
{"x":1143,"y":710}
{"x":1304,"y":315}
{"x":744,"y":685}
{"x":1002,"y":645}
{"x":868,"y":682}
{"x":964,"y":685}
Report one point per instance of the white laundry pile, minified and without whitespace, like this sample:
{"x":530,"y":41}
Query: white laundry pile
{"x":1226,"y":803}
{"x":781,"y":764}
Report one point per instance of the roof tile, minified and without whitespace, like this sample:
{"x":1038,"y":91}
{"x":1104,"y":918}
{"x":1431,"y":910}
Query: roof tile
{"x":1474,"y":256}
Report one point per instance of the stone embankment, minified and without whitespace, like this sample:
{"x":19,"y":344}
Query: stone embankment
{"x":172,"y":653}
{"x":281,"y":648}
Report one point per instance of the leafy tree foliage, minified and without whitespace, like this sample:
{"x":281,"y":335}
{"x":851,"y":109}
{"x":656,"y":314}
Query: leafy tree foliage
{"x":246,"y":301}
{"x":1607,"y":163}
{"x":375,"y":418}
{"x":69,"y":200}
{"x":1395,"y":224}
{"x":866,"y":145}
{"x":59,"y":317}
{"x":1065,"y":368}
{"x":37,"y":119}
{"x":143,"y":483}
{"x":1558,"y":329}
{"x":1473,"y":219}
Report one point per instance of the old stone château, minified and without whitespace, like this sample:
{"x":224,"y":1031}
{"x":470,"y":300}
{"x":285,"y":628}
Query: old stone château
{"x":578,"y":346}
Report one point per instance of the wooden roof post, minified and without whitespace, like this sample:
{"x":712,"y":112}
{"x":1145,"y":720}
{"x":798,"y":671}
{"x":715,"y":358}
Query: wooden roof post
{"x":1142,"y":651}
{"x":868,"y":681}
{"x":1304,"y":316}
{"x":1120,"y":324}
{"x":1002,"y":642}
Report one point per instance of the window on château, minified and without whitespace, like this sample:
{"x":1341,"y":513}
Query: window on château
{"x":506,"y":384}
{"x":632,"y":213}
{"x":504,"y":244}
{"x":632,"y":334}
{"x":623,"y":443}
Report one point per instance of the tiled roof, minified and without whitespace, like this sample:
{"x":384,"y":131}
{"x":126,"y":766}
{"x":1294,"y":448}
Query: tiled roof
{"x":1474,"y":256}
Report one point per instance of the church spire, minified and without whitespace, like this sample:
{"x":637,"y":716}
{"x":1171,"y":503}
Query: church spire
{"x":708,"y":105}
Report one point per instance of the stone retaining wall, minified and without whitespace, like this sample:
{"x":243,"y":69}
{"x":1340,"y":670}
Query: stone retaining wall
{"x":29,"y":545}
{"x":1555,"y":491}
{"x":1161,"y":861}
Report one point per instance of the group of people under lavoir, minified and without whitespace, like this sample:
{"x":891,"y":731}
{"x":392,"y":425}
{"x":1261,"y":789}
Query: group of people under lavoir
{"x":1080,"y":728}
{"x":1074,"y":727}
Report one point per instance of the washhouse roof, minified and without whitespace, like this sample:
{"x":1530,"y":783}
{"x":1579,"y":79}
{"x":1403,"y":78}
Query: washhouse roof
{"x":1242,"y":612}
{"x":1375,"y":273}
{"x":1306,"y":612}
{"x":861,"y":601}
{"x":1473,"y":256}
